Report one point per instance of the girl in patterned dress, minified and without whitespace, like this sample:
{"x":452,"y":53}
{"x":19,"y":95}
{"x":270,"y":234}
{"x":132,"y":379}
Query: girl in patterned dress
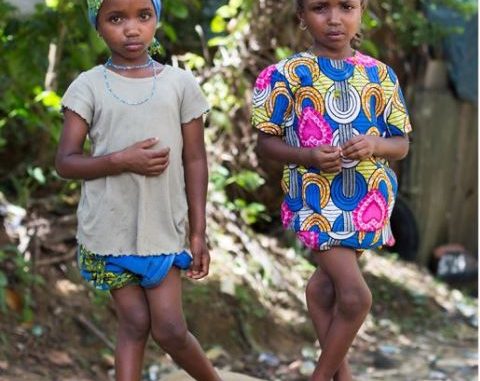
{"x":141,"y":215}
{"x":334,"y":117}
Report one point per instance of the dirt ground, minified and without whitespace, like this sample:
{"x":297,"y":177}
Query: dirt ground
{"x":250,"y":317}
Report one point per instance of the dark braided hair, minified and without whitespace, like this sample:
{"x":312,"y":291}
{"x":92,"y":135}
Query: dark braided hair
{"x":356,"y":41}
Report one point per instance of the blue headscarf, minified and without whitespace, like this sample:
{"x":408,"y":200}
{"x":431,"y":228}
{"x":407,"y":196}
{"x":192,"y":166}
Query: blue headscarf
{"x":95,"y":5}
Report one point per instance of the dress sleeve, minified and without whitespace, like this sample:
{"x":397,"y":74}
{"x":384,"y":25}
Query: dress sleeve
{"x":194,"y":104}
{"x":79,"y":98}
{"x":396,"y":116}
{"x":272,"y":102}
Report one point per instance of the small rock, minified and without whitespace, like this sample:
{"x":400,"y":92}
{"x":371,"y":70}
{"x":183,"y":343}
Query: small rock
{"x":437,"y":375}
{"x":383,"y":361}
{"x":108,"y":360}
{"x":268,"y":359}
{"x":37,"y":330}
{"x":450,"y":363}
{"x":307,"y":368}
{"x":60,"y":358}
{"x":295,"y":365}
{"x":153,"y":373}
{"x":389,"y":350}
{"x":225,"y":376}
{"x":217,"y":353}
{"x":309,"y":353}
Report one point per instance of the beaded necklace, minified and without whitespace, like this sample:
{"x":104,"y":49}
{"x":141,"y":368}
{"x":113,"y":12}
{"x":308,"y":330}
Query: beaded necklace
{"x":149,"y":63}
{"x":110,"y":63}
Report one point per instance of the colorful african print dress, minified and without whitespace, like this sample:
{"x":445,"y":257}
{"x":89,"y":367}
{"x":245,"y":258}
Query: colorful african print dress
{"x":311,"y":101}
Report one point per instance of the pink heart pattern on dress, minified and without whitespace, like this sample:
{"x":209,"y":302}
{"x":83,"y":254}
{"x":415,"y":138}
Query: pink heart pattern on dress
{"x":371,"y":213}
{"x":309,"y":239}
{"x":361,"y":59}
{"x":286,"y":215}
{"x":265,"y":77}
{"x":313,"y":129}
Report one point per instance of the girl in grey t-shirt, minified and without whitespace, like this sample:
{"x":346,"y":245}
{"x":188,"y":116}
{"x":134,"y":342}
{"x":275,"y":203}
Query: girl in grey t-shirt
{"x":141,"y":215}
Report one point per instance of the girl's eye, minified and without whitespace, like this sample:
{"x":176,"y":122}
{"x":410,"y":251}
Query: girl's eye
{"x":319,"y":7}
{"x":347,"y":6}
{"x":145,"y":16}
{"x":115,"y":19}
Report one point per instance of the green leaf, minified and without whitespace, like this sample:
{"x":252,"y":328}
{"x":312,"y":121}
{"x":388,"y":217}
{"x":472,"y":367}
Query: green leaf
{"x":180,"y":11}
{"x":218,"y":24}
{"x":3,"y":280}
{"x":37,"y":174}
{"x":52,"y":3}
{"x":169,"y":31}
{"x":218,"y":41}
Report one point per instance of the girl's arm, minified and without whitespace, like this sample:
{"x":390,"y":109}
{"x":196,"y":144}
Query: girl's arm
{"x":71,"y":162}
{"x":196,"y":182}
{"x":364,"y":146}
{"x":324,"y":157}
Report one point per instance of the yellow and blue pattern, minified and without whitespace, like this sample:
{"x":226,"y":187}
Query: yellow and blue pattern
{"x":310,"y":101}
{"x":110,"y":272}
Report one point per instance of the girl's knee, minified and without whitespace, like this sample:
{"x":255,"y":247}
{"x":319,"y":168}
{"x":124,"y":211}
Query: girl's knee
{"x":170,"y":335}
{"x":354,"y":302}
{"x":320,"y":291}
{"x":135,"y":324}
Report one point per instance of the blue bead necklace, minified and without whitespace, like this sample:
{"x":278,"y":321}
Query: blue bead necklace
{"x":149,"y":63}
{"x":110,"y":63}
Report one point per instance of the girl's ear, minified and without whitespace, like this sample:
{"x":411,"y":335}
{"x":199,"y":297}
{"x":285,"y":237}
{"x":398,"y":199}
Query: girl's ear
{"x":301,"y":20}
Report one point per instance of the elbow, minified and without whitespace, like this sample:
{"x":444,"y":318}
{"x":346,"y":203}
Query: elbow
{"x":61,"y":167}
{"x":405,"y":149}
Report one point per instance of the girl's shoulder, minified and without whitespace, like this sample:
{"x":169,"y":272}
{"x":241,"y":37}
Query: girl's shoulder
{"x":179,"y":73}
{"x":88,"y":77}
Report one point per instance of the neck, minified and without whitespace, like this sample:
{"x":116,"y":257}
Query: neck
{"x":129,"y":66}
{"x":336,"y":54}
{"x":119,"y":60}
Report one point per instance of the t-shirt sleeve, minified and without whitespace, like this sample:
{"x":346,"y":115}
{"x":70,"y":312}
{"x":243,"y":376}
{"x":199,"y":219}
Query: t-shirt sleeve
{"x":272,"y":102}
{"x":396,"y":115}
{"x":79,"y":98}
{"x":194,"y":104}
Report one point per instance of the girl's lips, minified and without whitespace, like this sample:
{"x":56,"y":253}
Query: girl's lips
{"x":133,"y":47}
{"x":335,"y":35}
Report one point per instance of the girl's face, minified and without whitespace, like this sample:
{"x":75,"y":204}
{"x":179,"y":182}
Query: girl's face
{"x":332,"y":24}
{"x":128,"y":28}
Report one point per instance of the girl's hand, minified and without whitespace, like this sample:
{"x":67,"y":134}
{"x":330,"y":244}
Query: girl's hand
{"x":326,"y":158}
{"x":360,"y":147}
{"x":140,"y":159}
{"x":201,"y":257}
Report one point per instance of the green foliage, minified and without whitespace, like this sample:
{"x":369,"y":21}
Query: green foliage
{"x":250,"y":212}
{"x":407,"y":23}
{"x":16,"y":274}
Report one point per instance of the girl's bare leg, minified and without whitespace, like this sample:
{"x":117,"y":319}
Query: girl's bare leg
{"x":353,"y":301}
{"x":320,"y":295}
{"x":133,"y":329}
{"x":169,"y":328}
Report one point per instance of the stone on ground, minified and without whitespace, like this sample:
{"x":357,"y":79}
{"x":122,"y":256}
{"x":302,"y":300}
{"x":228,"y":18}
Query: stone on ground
{"x":226,"y":376}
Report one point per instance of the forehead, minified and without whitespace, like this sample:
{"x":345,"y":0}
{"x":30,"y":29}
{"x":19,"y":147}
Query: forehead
{"x":330,"y":2}
{"x":126,"y":4}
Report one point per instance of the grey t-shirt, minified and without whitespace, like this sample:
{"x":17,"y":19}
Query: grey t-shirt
{"x":131,"y":214}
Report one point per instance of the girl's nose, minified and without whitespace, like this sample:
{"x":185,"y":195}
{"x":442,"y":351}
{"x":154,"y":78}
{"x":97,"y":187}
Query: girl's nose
{"x":334,"y":17}
{"x":131,"y":29}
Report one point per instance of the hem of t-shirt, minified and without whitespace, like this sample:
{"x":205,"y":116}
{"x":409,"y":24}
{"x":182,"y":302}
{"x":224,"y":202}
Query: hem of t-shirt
{"x":76,"y":111}
{"x":133,"y":253}
{"x":195,"y":115}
